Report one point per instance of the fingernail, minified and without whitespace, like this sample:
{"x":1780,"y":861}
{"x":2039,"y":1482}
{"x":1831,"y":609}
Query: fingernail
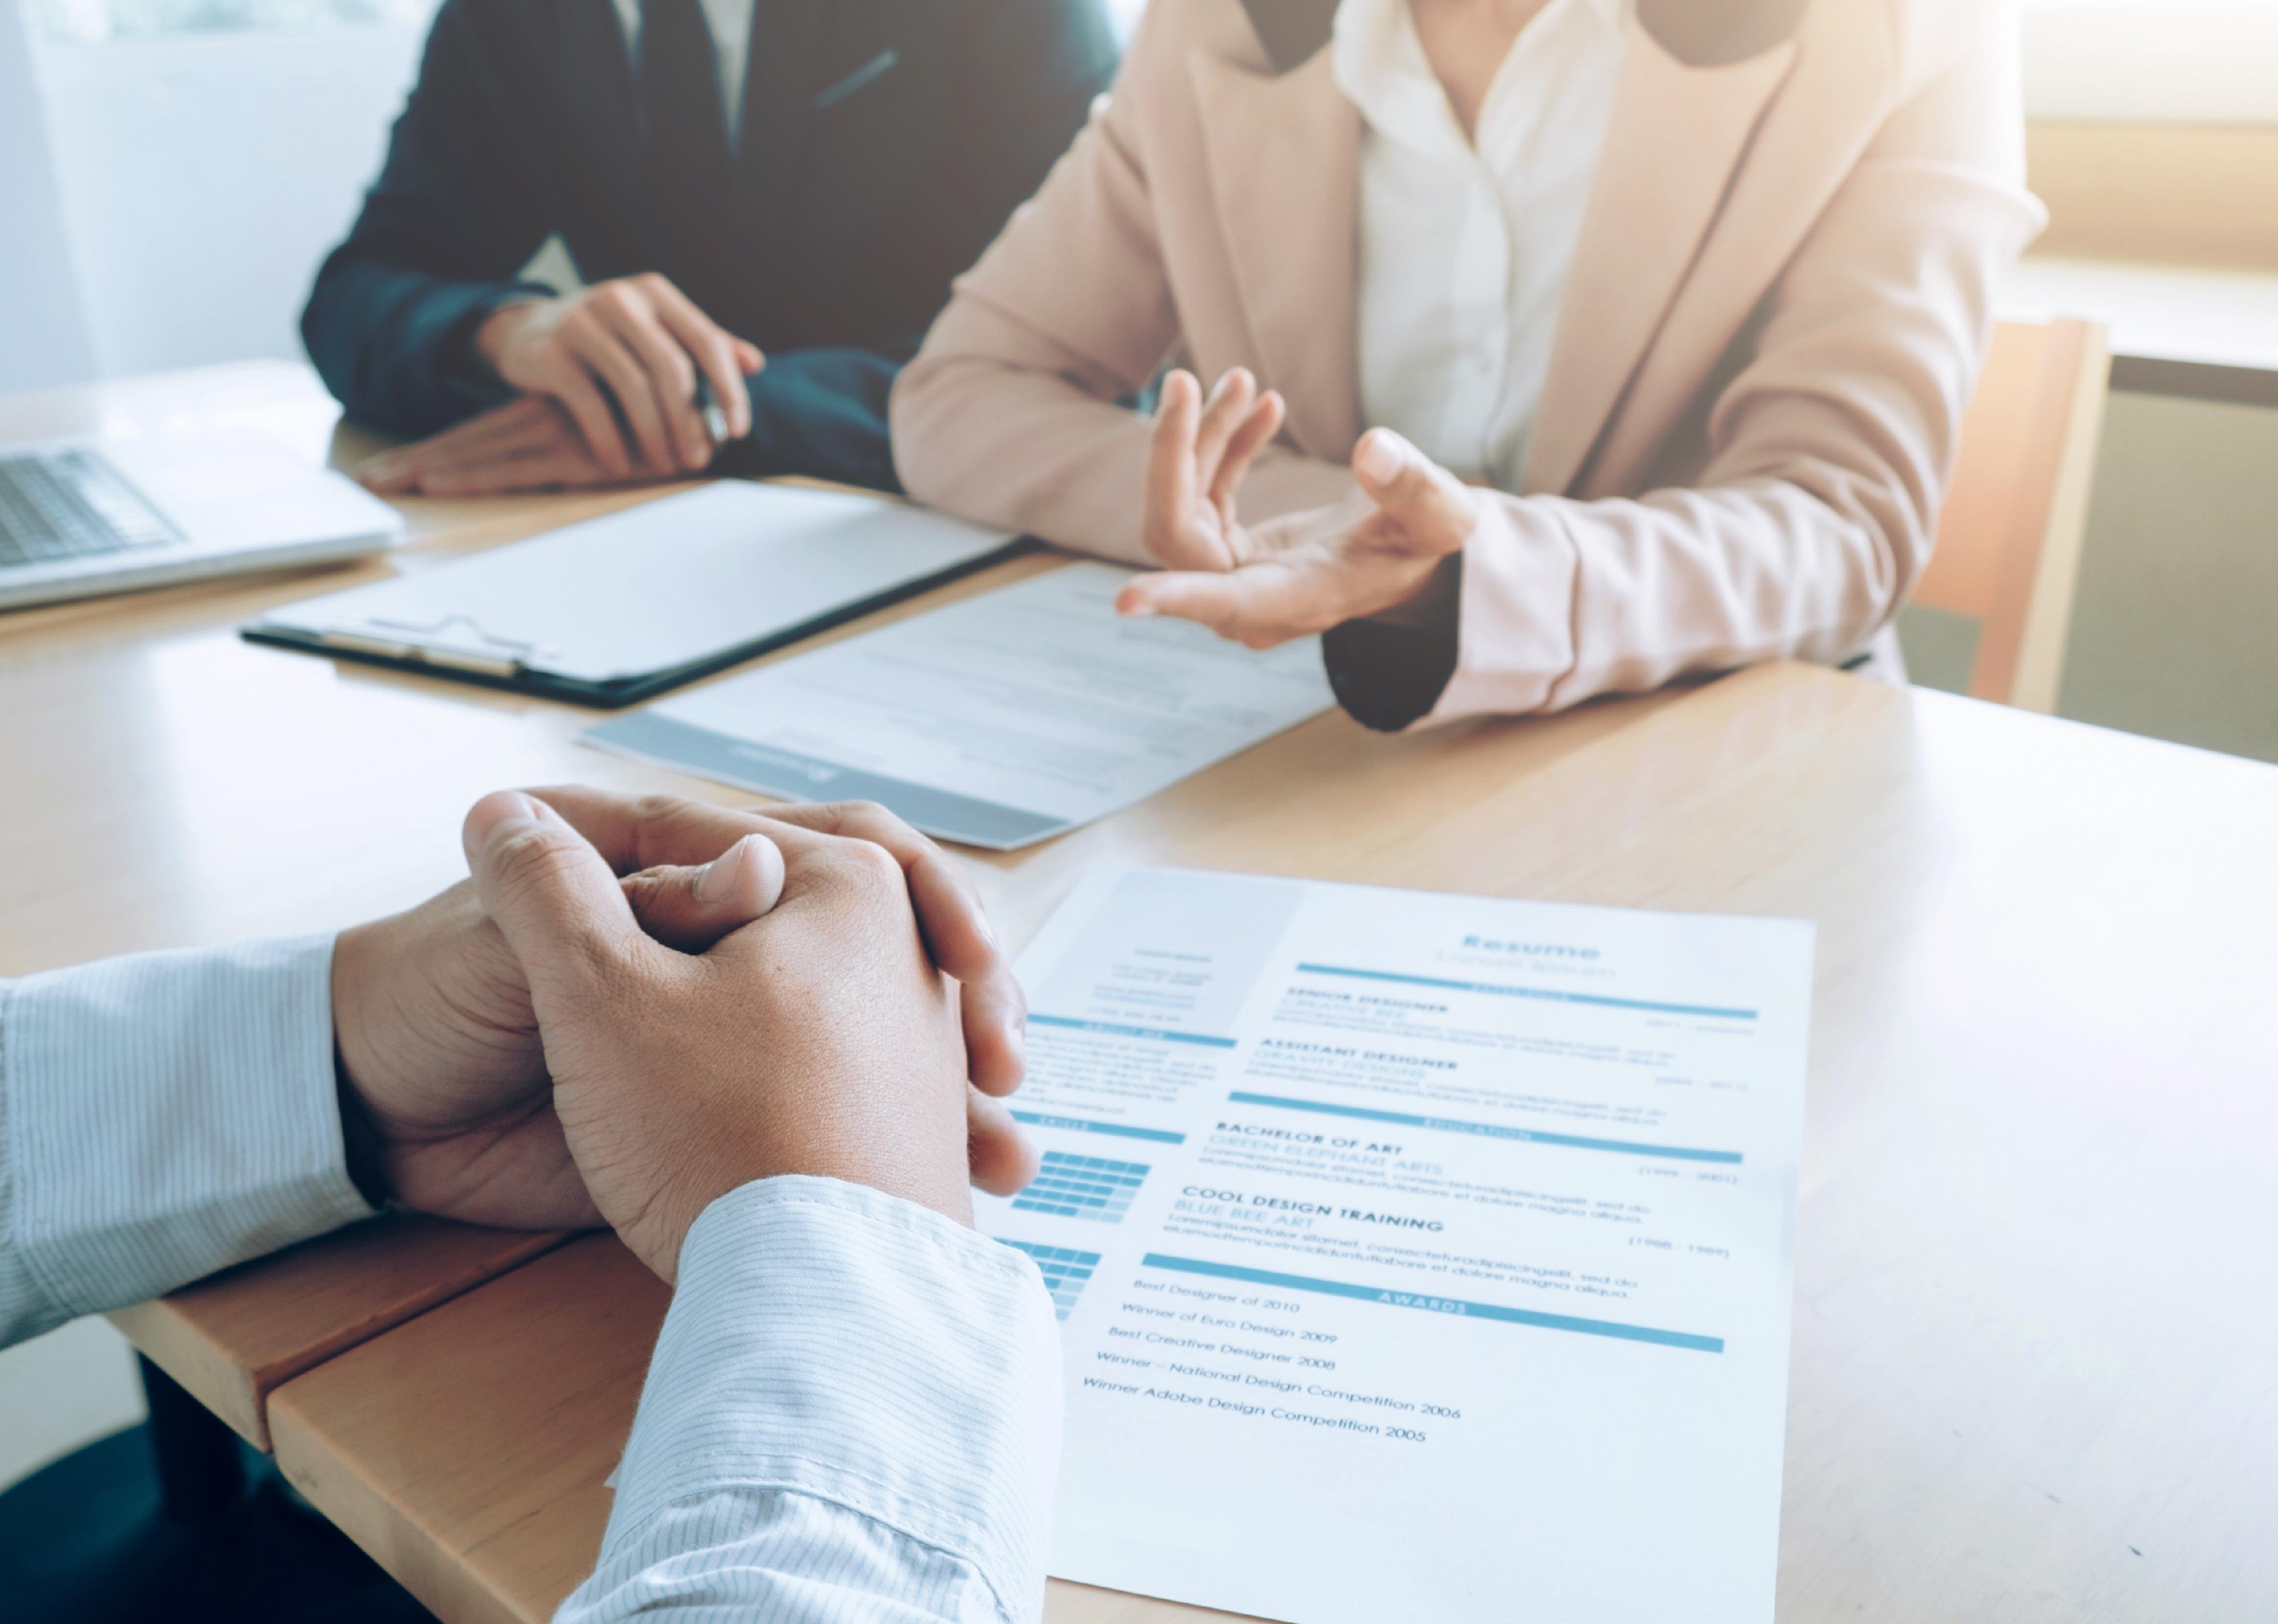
{"x":506,"y":809}
{"x":718,"y":881}
{"x":1381,"y":457}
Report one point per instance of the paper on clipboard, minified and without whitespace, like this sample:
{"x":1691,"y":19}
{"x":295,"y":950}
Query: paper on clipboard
{"x":620,"y":606}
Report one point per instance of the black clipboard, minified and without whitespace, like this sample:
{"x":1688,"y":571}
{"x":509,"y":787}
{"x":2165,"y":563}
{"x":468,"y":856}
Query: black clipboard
{"x":619,"y":609}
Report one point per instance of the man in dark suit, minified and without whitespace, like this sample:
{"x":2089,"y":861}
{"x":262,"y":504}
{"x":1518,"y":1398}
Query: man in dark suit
{"x":771,"y":196}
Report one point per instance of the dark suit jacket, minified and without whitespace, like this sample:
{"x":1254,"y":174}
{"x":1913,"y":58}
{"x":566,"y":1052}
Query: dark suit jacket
{"x":854,"y":206}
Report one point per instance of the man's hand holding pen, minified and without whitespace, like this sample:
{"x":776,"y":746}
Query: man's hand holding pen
{"x":624,"y":381}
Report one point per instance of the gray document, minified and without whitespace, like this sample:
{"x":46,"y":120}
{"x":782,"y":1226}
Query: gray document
{"x":999,"y":721}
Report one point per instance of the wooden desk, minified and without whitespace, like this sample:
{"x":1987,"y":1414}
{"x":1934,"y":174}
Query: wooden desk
{"x":2037,"y":1315}
{"x":2037,"y":1295}
{"x":167,"y":784}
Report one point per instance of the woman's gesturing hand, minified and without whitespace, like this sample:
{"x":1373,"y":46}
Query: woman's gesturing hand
{"x":1201,"y":451}
{"x":1371,"y":555}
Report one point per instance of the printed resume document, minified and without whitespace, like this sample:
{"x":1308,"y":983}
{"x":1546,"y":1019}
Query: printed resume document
{"x":1418,"y":1256}
{"x":998,"y":721}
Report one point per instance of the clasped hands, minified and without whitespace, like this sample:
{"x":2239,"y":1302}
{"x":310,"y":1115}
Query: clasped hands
{"x":1374,"y":553}
{"x":635,"y":1006}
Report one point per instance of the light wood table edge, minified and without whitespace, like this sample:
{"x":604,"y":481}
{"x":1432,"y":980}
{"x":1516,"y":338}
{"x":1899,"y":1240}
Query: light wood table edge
{"x":173,"y":1335}
{"x":410,"y":1550}
{"x":453,"y":1571}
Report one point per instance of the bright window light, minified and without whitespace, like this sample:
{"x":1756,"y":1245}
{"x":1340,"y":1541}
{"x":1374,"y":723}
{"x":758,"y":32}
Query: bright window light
{"x":94,"y":22}
{"x":2152,"y":61}
{"x":2151,"y":6}
{"x":2189,"y":61}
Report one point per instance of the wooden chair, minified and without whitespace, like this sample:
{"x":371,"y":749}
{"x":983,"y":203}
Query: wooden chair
{"x":2009,"y":541}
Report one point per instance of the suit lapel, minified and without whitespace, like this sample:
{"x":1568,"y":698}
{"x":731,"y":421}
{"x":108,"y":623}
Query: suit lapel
{"x":1283,"y":154}
{"x":1677,"y":134}
{"x":1809,"y":141}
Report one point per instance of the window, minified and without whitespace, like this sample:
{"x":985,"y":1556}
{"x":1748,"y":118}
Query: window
{"x":2183,"y":61}
{"x":2152,"y":61}
{"x":94,"y":22}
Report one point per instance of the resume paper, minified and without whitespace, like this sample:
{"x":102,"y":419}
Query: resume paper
{"x":999,"y":721}
{"x":1419,"y":1256}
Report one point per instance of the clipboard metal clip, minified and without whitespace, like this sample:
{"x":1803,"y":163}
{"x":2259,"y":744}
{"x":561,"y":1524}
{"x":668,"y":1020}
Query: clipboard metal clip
{"x":431,"y":644}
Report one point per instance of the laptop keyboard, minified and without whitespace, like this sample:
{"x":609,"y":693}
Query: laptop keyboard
{"x":61,"y":505}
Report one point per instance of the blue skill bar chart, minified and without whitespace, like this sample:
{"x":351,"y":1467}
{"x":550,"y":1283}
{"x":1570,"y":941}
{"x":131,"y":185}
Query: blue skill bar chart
{"x":1091,"y":1187}
{"x":1065,"y":1271}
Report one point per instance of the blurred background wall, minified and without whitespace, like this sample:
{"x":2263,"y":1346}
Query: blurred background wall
{"x":207,"y":159}
{"x":206,"y":152}
{"x":48,"y":340}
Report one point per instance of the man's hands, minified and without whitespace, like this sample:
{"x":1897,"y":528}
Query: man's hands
{"x":1374,"y":553}
{"x":532,"y":443}
{"x":819,"y":1040}
{"x":664,"y":831}
{"x":439,"y":1043}
{"x":608,"y":380}
{"x":637,"y":342}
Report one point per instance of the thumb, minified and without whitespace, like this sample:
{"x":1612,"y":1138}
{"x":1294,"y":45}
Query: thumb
{"x":550,"y":893}
{"x":1002,"y":1158}
{"x":1436,"y":511}
{"x":690,"y":909}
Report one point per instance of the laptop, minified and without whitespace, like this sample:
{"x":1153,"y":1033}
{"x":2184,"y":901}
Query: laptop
{"x":83,"y":517}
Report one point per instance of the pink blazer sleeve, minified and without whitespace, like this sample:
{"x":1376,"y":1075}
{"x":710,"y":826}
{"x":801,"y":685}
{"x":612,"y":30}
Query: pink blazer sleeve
{"x":1826,"y":456}
{"x":1007,"y":416}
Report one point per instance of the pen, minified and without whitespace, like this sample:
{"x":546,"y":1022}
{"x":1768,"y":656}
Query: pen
{"x":715,"y":421}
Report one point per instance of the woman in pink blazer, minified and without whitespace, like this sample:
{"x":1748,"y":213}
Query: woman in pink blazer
{"x":1660,"y":316}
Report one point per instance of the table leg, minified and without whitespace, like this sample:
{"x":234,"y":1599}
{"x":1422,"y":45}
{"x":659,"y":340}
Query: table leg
{"x":200,"y":1471}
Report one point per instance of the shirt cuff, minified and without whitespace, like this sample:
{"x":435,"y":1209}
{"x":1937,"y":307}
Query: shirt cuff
{"x":830,"y":1341}
{"x":1388,"y":674}
{"x":1497,"y":637}
{"x":465,"y":383}
{"x":166,"y":1115}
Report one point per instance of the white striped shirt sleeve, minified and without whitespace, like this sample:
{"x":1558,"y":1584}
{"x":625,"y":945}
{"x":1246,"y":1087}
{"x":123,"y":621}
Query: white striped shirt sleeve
{"x":852,"y":1414}
{"x":162,"y":1117}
